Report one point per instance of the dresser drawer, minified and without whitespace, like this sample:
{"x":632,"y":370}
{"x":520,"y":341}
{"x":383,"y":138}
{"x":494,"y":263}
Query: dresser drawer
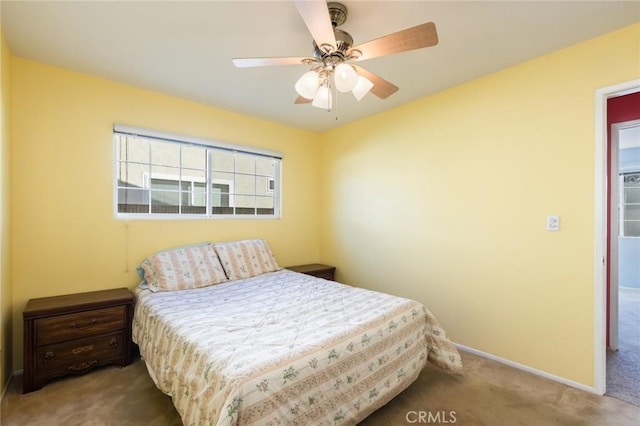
{"x":80,"y":324}
{"x":79,"y":355}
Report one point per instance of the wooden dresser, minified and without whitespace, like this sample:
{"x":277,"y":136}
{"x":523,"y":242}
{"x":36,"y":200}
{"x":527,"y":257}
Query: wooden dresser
{"x":74,"y":333}
{"x":316,"y":269}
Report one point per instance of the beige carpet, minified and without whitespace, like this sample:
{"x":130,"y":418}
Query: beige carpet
{"x":490,"y":394}
{"x":623,"y":365}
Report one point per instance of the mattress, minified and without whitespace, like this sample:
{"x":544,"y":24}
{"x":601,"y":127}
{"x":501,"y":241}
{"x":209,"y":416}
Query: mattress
{"x":285,"y":348}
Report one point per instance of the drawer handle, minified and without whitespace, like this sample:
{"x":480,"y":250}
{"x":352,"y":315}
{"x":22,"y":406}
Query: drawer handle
{"x":49,"y":356}
{"x":83,"y":365}
{"x":82,"y":349}
{"x":84,"y":324}
{"x":113,"y":343}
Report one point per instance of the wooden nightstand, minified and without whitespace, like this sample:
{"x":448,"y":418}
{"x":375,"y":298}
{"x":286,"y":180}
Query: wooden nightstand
{"x":316,"y":269}
{"x":74,"y":333}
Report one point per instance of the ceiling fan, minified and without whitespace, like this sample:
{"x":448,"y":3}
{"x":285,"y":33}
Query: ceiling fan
{"x":333,"y":54}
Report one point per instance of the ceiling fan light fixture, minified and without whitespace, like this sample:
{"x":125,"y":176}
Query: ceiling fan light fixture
{"x":333,"y":52}
{"x":363,"y":85}
{"x":323,"y":98}
{"x":345,"y":77}
{"x":307,"y":85}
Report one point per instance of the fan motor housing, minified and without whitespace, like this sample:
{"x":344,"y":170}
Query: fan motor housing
{"x":344,"y":42}
{"x":338,"y":14}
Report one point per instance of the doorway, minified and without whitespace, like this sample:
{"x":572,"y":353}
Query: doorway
{"x":602,"y":261}
{"x":623,"y":354}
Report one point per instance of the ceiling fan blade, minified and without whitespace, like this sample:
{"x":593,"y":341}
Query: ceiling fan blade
{"x":266,"y":62}
{"x":302,"y":100}
{"x":417,"y":37}
{"x":381,"y":87}
{"x":315,"y":15}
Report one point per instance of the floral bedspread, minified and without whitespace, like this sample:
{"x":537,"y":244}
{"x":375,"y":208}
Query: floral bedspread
{"x":285,"y":348}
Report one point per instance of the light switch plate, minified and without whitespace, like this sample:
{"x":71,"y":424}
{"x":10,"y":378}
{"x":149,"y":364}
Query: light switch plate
{"x":553,"y":223}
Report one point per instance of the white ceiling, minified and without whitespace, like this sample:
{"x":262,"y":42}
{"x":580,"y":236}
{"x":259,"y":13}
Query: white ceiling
{"x":185,"y":49}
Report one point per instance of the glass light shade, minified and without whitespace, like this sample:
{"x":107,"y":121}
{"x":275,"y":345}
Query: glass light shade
{"x":362,"y":87}
{"x":345,"y":77}
{"x":323,"y":98}
{"x":307,"y":85}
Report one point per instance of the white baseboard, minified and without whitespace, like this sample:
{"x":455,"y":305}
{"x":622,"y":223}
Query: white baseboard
{"x":6,"y":385}
{"x":528,"y":369}
{"x":4,"y":389}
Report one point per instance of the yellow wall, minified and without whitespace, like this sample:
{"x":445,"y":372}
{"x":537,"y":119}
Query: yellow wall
{"x":65,"y":238}
{"x":6,"y":293}
{"x":445,"y":200}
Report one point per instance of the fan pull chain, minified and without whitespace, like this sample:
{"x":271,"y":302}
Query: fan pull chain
{"x":335,"y":92}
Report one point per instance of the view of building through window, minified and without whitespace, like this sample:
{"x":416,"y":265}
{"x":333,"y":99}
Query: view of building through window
{"x":160,"y":177}
{"x":630,"y":205}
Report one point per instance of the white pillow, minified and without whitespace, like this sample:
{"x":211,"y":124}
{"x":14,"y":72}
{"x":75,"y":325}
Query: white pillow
{"x":183,"y":268}
{"x":246,"y":258}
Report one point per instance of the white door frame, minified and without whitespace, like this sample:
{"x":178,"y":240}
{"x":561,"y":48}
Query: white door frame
{"x":600,"y":259}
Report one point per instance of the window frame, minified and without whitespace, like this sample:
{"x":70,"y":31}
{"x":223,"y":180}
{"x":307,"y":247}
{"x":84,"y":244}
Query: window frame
{"x":209,"y":146}
{"x":623,"y":204}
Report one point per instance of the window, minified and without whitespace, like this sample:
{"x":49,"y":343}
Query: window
{"x":630,"y":205}
{"x":168,"y":175}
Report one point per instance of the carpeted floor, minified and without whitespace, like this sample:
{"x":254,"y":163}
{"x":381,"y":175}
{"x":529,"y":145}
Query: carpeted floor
{"x":490,"y":394}
{"x":623,"y":365}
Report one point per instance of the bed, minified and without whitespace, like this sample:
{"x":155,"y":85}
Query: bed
{"x":280,"y":347}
